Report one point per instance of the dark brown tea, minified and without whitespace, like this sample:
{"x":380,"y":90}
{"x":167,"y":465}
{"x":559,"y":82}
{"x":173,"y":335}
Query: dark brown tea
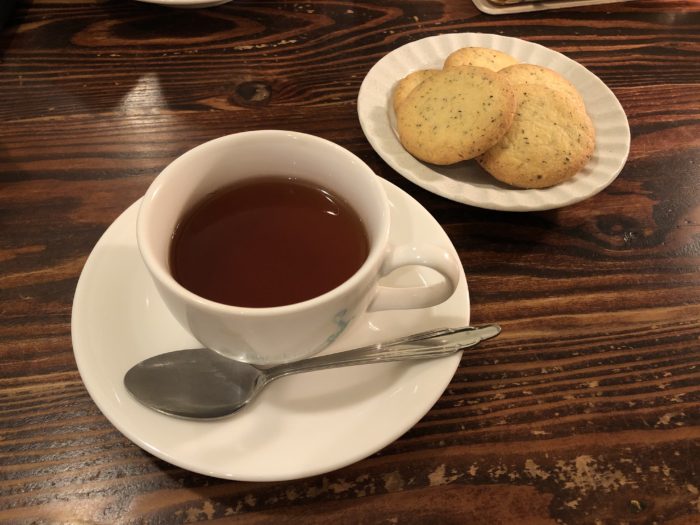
{"x":267,"y":242}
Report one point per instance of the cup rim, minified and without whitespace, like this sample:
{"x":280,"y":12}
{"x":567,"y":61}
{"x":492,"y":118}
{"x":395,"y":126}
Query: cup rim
{"x":160,"y":272}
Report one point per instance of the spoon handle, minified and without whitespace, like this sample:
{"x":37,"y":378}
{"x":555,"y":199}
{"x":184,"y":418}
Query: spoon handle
{"x":424,"y":345}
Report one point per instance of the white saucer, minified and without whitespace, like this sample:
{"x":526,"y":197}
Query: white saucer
{"x":301,"y":425}
{"x":467,"y":182}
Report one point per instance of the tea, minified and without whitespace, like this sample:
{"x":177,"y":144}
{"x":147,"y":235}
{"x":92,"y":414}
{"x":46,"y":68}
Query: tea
{"x":267,"y":242}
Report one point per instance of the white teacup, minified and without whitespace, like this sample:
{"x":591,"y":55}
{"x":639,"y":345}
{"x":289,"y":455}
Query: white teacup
{"x":283,"y":333}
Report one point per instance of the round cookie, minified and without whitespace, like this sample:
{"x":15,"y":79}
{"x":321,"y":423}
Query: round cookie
{"x":479,"y":56}
{"x":455,"y":114}
{"x":408,"y":84}
{"x":549,"y":141}
{"x":532,"y":74}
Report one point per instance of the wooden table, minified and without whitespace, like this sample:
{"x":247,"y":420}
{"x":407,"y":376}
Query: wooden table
{"x":584,"y":410}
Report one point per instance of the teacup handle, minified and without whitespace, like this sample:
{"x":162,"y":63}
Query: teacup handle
{"x":404,"y":298}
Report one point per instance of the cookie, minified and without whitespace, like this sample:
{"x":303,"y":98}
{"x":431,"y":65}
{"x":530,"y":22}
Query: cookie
{"x":479,"y":56}
{"x":455,"y":114}
{"x":408,"y":84}
{"x":548,"y":142}
{"x":541,"y":76}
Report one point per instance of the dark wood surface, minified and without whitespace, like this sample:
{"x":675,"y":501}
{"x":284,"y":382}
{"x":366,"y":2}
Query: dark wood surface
{"x":585,"y":410}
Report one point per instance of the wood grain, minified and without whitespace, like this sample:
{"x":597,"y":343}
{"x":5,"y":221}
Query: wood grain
{"x":585,"y":410}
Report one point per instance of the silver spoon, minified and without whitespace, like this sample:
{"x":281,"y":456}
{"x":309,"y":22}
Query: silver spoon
{"x":201,"y":384}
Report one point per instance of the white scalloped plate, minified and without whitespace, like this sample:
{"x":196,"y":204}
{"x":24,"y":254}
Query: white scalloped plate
{"x":467,"y":182}
{"x":527,"y":6}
